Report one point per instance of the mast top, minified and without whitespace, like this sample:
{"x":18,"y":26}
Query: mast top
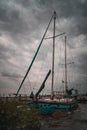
{"x":54,"y":14}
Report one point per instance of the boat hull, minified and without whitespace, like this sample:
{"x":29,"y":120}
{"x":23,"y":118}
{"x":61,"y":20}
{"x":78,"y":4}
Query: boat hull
{"x":48,"y":108}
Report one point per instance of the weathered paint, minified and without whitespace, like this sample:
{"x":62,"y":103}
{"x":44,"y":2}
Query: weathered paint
{"x":50,"y":108}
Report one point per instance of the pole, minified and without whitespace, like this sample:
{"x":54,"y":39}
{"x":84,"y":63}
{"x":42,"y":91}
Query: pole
{"x":53,"y":56}
{"x":65,"y":67}
{"x":34,"y":57}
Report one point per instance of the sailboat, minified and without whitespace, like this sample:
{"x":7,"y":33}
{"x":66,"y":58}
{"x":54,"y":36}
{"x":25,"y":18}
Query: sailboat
{"x":51,"y":105}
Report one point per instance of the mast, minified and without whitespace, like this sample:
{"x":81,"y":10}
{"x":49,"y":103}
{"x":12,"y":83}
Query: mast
{"x":34,"y":56}
{"x":53,"y":55}
{"x":66,"y":87}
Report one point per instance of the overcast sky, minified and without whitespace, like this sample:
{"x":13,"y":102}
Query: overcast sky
{"x":22,"y":25}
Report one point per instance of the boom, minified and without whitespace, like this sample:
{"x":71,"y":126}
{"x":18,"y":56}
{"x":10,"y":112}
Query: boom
{"x":43,"y":84}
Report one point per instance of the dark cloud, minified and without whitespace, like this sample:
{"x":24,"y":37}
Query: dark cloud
{"x":22,"y":24}
{"x":82,"y":26}
{"x":10,"y":75}
{"x":83,"y":63}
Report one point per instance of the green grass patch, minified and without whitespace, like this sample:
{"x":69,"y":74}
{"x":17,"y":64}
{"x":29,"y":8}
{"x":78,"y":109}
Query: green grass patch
{"x":17,"y":116}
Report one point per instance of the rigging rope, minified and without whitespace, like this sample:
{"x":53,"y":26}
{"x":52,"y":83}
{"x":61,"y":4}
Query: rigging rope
{"x":34,"y":56}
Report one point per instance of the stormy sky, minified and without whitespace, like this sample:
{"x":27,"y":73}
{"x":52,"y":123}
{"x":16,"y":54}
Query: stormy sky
{"x":22,"y":25}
